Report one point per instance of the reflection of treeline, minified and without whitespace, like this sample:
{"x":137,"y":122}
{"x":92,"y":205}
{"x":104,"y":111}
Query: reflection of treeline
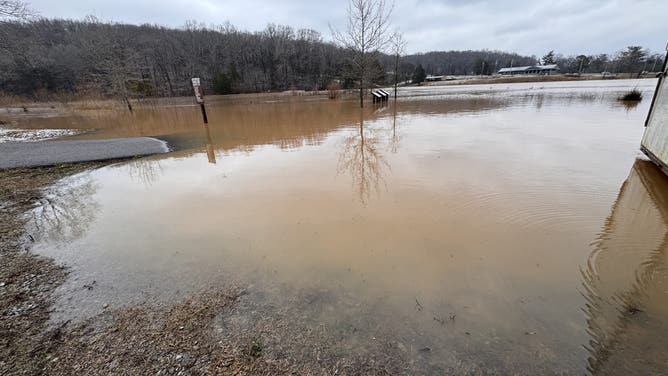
{"x":47,"y":56}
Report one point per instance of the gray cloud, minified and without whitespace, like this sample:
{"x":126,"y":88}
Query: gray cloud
{"x":527,"y":27}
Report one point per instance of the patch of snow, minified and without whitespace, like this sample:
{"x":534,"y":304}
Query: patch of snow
{"x":32,"y":135}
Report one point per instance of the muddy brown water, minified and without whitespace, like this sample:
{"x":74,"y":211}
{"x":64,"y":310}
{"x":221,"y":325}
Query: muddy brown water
{"x":507,"y":228}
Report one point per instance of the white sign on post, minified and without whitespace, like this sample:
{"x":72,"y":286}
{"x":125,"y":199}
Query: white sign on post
{"x":199,"y":95}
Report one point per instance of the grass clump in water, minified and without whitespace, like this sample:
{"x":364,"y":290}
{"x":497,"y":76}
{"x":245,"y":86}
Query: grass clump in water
{"x":633,"y":95}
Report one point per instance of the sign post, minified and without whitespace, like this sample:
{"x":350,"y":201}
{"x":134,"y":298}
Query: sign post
{"x":199,"y":97}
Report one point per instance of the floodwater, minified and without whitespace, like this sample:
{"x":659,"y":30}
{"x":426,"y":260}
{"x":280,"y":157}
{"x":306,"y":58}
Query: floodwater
{"x":493,"y":229}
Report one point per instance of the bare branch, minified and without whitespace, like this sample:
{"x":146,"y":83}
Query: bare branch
{"x":398,"y":47}
{"x":15,"y":9}
{"x":398,"y":43}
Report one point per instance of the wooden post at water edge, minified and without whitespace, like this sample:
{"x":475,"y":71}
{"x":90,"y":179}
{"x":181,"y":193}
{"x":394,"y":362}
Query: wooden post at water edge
{"x":199,"y":97}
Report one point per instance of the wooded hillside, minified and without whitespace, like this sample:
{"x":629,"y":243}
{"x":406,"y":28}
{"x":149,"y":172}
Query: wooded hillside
{"x":90,"y":56}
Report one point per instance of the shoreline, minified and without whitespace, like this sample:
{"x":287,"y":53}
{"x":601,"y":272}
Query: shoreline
{"x":11,"y":107}
{"x":482,"y":80}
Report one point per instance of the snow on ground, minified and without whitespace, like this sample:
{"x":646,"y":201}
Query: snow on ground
{"x":31,"y":135}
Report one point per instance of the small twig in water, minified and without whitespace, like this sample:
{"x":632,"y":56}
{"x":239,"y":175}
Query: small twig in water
{"x":418,"y":305}
{"x":443,"y":321}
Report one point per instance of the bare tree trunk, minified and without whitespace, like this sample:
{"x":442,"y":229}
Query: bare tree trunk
{"x":362,"y":93}
{"x":398,"y":47}
{"x":127,"y":101}
{"x":396,"y":76}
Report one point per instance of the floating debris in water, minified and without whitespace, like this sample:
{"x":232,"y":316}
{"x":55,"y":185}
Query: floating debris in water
{"x":418,"y":306}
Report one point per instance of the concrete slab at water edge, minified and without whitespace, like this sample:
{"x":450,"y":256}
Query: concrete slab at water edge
{"x":46,"y":153}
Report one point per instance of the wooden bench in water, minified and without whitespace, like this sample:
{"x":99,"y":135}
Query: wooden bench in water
{"x":380,"y":96}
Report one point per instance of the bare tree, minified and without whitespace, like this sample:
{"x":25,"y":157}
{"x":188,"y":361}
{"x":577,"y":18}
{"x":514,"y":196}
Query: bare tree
{"x":365,"y":35}
{"x":15,"y":9}
{"x":398,"y":46}
{"x":12,"y":10}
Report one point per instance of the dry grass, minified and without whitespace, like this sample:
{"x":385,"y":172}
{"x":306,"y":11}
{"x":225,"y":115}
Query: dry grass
{"x":333,"y":90}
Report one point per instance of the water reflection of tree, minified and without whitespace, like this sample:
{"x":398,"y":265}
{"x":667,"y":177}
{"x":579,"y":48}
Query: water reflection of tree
{"x":144,"y":170}
{"x":360,"y":157}
{"x":210,"y":151}
{"x":66,"y":210}
{"x":623,"y":279}
{"x":394,"y":141}
{"x":628,"y":105}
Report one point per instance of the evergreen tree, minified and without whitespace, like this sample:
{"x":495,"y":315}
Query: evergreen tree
{"x":419,"y":75}
{"x":548,"y":58}
{"x":631,"y":59}
{"x":222,"y":84}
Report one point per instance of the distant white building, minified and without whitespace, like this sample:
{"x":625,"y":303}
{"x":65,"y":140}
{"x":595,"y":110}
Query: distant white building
{"x":531,"y":69}
{"x":433,"y":78}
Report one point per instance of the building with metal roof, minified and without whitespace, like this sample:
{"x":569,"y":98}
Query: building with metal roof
{"x":531,"y":69}
{"x":655,"y":139}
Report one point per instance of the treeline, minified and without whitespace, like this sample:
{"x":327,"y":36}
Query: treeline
{"x":459,"y":63}
{"x":633,"y":59}
{"x":89,"y":56}
{"x":119,"y":59}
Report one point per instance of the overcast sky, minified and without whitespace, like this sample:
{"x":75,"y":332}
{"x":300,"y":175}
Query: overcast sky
{"x":527,"y":27}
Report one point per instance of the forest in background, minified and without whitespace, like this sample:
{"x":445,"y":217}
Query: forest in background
{"x":46,"y":56}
